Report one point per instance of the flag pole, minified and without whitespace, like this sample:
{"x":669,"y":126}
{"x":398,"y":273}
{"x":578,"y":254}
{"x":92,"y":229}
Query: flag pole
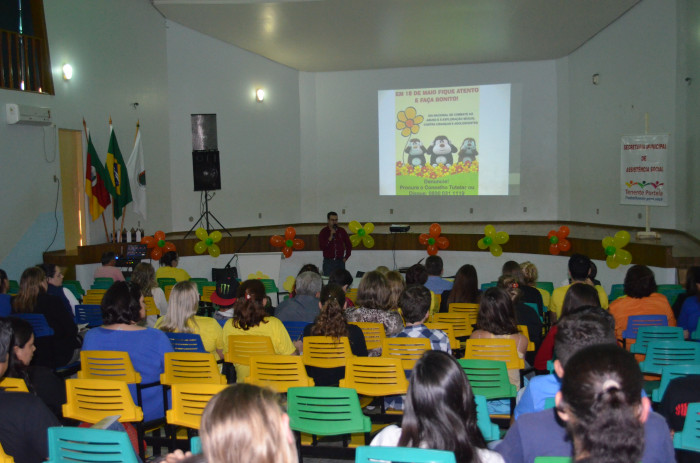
{"x":111,"y":178}
{"x":104,"y":222}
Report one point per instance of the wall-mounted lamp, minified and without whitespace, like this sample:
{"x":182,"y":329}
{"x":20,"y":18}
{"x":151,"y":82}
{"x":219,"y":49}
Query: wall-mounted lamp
{"x":260,"y":95}
{"x":67,"y":72}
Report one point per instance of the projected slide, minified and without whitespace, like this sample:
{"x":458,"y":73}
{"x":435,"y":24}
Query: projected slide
{"x":451,"y":141}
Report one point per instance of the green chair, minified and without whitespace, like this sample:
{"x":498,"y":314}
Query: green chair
{"x":163,"y":282}
{"x":488,"y":378}
{"x":689,"y":437}
{"x":670,"y":373}
{"x":87,"y":444}
{"x":101,"y":284}
{"x":661,"y":354}
{"x":671,"y":294}
{"x":74,"y":288}
{"x":646,"y":334}
{"x":14,"y":287}
{"x":485,"y":286}
{"x":403,"y":455}
{"x":553,"y":460}
{"x":546,"y":285}
{"x":488,"y":429}
{"x":617,"y":291}
{"x":271,"y":287}
{"x":75,"y":283}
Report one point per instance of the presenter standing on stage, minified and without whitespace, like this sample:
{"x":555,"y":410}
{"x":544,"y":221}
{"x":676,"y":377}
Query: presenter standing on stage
{"x":335,"y":244}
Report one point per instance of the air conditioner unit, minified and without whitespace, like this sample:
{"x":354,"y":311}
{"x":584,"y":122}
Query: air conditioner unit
{"x":31,"y":115}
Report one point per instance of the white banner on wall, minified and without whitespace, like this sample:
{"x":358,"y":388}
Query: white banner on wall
{"x":643,"y":163}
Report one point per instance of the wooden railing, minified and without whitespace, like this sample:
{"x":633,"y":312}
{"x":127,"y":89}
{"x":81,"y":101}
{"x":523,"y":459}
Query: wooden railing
{"x":24,"y":63}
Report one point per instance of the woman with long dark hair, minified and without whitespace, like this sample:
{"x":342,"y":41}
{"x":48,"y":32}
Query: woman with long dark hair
{"x":465,"y":288}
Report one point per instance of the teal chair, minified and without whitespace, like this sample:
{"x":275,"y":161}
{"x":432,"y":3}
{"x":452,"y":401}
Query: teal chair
{"x":553,"y":460}
{"x":661,"y":354}
{"x":403,"y":455}
{"x":196,"y":445}
{"x":488,"y":429}
{"x":670,"y":373}
{"x":549,"y":402}
{"x":488,"y":378}
{"x":672,"y":294}
{"x":485,"y":286}
{"x":646,"y":334}
{"x":689,"y":437}
{"x":101,"y":284}
{"x":67,"y":444}
{"x":695,"y":335}
{"x":616,"y":292}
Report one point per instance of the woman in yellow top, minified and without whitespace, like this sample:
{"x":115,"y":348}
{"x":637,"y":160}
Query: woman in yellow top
{"x":168,"y":268}
{"x":181,"y":318}
{"x":251,"y":319}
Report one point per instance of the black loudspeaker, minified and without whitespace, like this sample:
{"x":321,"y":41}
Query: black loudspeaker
{"x":205,"y":166}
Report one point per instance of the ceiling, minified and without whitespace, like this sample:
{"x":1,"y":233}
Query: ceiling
{"x":341,"y":35}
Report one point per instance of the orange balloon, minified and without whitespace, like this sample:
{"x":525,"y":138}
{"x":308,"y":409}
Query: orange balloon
{"x":563,"y":231}
{"x":290,"y":233}
{"x":564,"y":245}
{"x":287,"y":251}
{"x":277,"y":241}
{"x":159,"y":235}
{"x":442,"y":242}
{"x":423,"y":238}
{"x":551,"y":234}
{"x":156,"y":253}
{"x":435,"y":230}
{"x":554,"y":249}
{"x":168,"y":247}
{"x":432,"y":249}
{"x":149,"y":241}
{"x":298,"y":244}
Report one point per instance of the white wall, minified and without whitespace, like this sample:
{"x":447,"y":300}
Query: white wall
{"x":689,"y":67}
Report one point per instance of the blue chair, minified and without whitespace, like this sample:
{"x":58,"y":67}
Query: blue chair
{"x":661,"y":354}
{"x":186,"y":342}
{"x":670,"y":373}
{"x":403,"y":455}
{"x":39,"y":324}
{"x":295,"y":329}
{"x":689,"y":437}
{"x":87,"y":444}
{"x":488,"y":429}
{"x":90,"y":314}
{"x":646,"y":334}
{"x":634,"y":322}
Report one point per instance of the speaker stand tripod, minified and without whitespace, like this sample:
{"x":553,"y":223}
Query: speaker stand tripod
{"x":205,"y":217}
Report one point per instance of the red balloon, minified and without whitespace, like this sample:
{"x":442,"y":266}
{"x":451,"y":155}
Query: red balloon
{"x":298,"y":244}
{"x":554,"y":249}
{"x":423,"y":238}
{"x":159,"y":235}
{"x":564,"y":231}
{"x":290,"y":233}
{"x":168,"y":247}
{"x":287,"y":251}
{"x":149,"y":241}
{"x":432,"y":249}
{"x":442,"y":242}
{"x":277,"y":241}
{"x":435,"y":230}
{"x":551,"y":234}
{"x":564,"y":245}
{"x":156,"y":253}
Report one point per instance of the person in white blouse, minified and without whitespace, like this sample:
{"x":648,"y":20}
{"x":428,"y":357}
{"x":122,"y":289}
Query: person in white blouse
{"x":145,"y":276}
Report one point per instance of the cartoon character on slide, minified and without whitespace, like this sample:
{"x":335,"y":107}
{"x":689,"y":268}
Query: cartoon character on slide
{"x":416,"y":152}
{"x":468,"y":151}
{"x":441,"y":150}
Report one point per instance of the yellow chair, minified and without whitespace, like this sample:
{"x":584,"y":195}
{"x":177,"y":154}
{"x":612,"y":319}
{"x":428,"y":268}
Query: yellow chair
{"x":435,"y":302}
{"x":167,"y":290}
{"x":408,"y":350}
{"x":525,"y":332}
{"x":375,"y":376}
{"x":5,"y":458}
{"x":278,"y":372}
{"x":373,"y":332}
{"x":91,"y":400}
{"x":326,"y":351}
{"x":191,"y":367}
{"x":151,"y":308}
{"x":352,"y":294}
{"x":461,"y":322}
{"x":107,"y":364}
{"x":495,"y":349}
{"x":463,"y":307}
{"x":95,"y":292}
{"x":240,"y":348}
{"x":14,"y":385}
{"x":92,"y":299}
{"x":207,"y":291}
{"x":448,"y":329}
{"x":189,"y":401}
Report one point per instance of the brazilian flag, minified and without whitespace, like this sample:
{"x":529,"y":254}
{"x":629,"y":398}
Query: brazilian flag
{"x":118,"y":186}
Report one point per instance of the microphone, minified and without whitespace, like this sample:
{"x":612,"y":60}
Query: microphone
{"x":335,"y":226}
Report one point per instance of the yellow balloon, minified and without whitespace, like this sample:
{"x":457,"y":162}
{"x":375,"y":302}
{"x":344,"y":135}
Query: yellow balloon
{"x":201,"y":233}
{"x":496,"y":250}
{"x":369,"y":227}
{"x":214,"y":250}
{"x":621,"y":238}
{"x":480,"y":244}
{"x":354,"y":226}
{"x":501,"y":238}
{"x":215,"y":236}
{"x":490,"y":230}
{"x":623,"y":256}
{"x":608,"y":241}
{"x":368,"y":241}
{"x":355,"y":240}
{"x":288,"y":284}
{"x":200,"y":247}
{"x":612,"y":262}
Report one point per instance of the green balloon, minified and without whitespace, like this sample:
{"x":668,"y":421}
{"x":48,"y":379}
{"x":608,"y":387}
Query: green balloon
{"x":161,"y":243}
{"x":554,"y":240}
{"x":289,"y":243}
{"x":610,"y":251}
{"x":431,"y":241}
{"x":361,"y":232}
{"x":209,"y":241}
{"x":488,"y":241}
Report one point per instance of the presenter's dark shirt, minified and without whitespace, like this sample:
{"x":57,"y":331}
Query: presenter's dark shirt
{"x":337,"y":248}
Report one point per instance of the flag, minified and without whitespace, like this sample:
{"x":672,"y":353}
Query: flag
{"x":118,"y":186}
{"x":137,"y":175}
{"x":95,"y":176}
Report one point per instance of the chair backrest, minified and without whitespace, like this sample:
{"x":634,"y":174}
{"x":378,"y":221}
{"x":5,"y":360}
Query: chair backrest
{"x":98,"y":291}
{"x":461,"y":322}
{"x":295,"y":329}
{"x":488,"y":378}
{"x":664,"y":353}
{"x":191,"y":367}
{"x":617,"y":290}
{"x":188,"y":402}
{"x":100,"y":285}
{"x":13,"y":385}
{"x":104,"y":279}
{"x":689,"y":437}
{"x":402,"y":455}
{"x":326,"y":351}
{"x":671,"y":293}
{"x":107,"y":364}
{"x":375,"y":376}
{"x":186,"y":342}
{"x":634,"y":322}
{"x":92,"y":299}
{"x":163,"y":282}
{"x":646,"y":334}
{"x":525,"y":332}
{"x":553,"y":460}
{"x":278,"y":372}
{"x":89,"y":313}
{"x":39,"y":324}
{"x":407,"y":349}
{"x":151,"y":308}
{"x":352,"y":294}
{"x":536,"y":309}
{"x":73,"y":289}
{"x":495,"y":349}
{"x":325,"y":411}
{"x":546,"y":285}
{"x":167,"y":290}
{"x":668,"y":374}
{"x":488,"y":429}
{"x":374,"y":333}
{"x":242,"y":347}
{"x":207,"y":291}
{"x":91,"y":400}
{"x":76,"y":284}
{"x":87,"y":444}
{"x":448,"y":329}
{"x":485,"y":286}
{"x":196,"y":445}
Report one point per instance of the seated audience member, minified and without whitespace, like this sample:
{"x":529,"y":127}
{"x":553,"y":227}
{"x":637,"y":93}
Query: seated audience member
{"x":41,"y":381}
{"x":24,"y":418}
{"x":122,"y":310}
{"x":304,"y":268}
{"x":579,"y":269}
{"x":396,"y":287}
{"x":182,"y":317}
{"x":224,"y":296}
{"x":674,"y":407}
{"x":593,"y":273}
{"x":168,"y":268}
{"x":580,"y":328}
{"x":415,"y":307}
{"x":108,"y":268}
{"x":690,"y":307}
{"x":60,"y":348}
{"x":529,"y":294}
{"x":524,"y":314}
{"x":435,"y":283}
{"x":465,"y":289}
{"x":383,"y":269}
{"x":250,"y":318}
{"x":578,"y":295}
{"x":530,"y":275}
{"x":304,"y":306}
{"x":5,"y":305}
{"x":497,"y":319}
{"x":372,"y":305}
{"x":331,"y":322}
{"x":692,"y":287}
{"x":416,"y":274}
{"x":343,"y":278}
{"x":54,"y":278}
{"x":144,"y":276}
{"x":641,"y":299}
{"x":601,"y":384}
{"x":440,"y":412}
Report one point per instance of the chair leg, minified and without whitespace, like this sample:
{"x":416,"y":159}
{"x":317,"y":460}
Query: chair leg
{"x":297,"y":438}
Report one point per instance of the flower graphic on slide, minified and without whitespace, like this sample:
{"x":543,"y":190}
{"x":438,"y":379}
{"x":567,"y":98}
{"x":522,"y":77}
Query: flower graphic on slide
{"x":408,"y":121}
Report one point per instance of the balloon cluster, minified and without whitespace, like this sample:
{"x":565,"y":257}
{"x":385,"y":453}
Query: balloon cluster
{"x":361,"y":234}
{"x":617,"y":256}
{"x":433,"y":240}
{"x":259,"y":275}
{"x":207,"y":242}
{"x":493,"y":240}
{"x":557,"y":240}
{"x":288,"y":243}
{"x":157,"y":244}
